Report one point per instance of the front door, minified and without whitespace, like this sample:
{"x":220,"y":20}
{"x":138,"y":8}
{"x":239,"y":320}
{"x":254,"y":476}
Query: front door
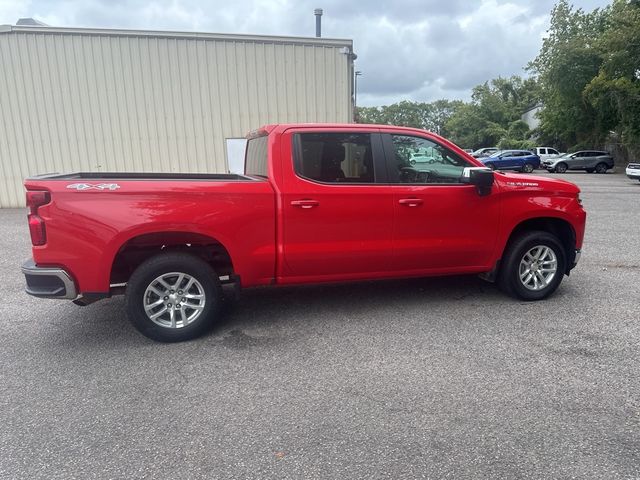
{"x":441,"y":224}
{"x":337,"y":211}
{"x":578,"y":161}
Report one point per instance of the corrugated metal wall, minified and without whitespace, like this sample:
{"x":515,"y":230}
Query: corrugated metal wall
{"x":96,"y":100}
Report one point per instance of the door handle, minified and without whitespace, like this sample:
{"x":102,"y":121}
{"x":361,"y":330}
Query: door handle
{"x":410,"y":202}
{"x":305,"y":203}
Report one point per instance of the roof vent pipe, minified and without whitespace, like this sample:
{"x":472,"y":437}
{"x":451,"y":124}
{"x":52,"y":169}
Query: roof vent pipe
{"x":318,"y":13}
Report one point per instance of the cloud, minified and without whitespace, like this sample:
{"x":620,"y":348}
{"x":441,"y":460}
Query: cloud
{"x":407,"y":49}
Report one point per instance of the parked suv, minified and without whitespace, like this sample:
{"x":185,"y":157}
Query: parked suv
{"x":521,"y":160}
{"x":546,"y":152}
{"x":633,"y":171}
{"x":589,"y":160}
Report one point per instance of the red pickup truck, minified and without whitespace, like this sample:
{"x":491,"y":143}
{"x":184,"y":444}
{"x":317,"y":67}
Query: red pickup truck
{"x":317,"y":203}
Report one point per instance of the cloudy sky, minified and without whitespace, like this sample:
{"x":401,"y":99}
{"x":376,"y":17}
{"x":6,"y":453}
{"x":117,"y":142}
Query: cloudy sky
{"x":407,"y":49}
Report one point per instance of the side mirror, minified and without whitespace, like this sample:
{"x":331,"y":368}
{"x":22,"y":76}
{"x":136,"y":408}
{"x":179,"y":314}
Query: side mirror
{"x":481,"y":177}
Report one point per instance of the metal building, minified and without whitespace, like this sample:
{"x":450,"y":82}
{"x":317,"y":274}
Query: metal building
{"x":118,"y":100}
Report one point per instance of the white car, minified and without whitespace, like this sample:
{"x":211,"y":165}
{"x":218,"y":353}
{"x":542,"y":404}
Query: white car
{"x":545,"y":153}
{"x":633,"y":171}
{"x":420,"y":158}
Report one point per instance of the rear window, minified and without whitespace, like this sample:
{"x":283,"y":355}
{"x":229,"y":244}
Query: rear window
{"x":256,"y":157}
{"x":335,"y":157}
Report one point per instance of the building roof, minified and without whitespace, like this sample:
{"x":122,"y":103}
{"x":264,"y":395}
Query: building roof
{"x":183,"y":35}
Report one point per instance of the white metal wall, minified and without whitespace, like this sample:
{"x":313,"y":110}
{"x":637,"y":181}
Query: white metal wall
{"x":101,"y":100}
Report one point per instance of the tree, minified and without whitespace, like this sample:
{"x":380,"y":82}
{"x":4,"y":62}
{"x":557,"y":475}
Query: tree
{"x":567,"y":62}
{"x":493,"y":116}
{"x":429,"y":116}
{"x":615,"y":92}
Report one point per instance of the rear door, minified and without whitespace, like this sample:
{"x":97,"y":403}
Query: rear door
{"x":336,"y":207}
{"x":441,"y":225}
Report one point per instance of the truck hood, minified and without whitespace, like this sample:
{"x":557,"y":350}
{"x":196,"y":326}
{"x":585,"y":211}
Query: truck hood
{"x":515,"y":181}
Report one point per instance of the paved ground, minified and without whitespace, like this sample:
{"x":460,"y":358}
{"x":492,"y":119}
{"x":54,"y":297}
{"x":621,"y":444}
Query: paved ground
{"x":439,"y":378}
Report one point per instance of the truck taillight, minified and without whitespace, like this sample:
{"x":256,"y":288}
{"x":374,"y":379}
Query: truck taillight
{"x":37,"y":230}
{"x":36,"y":199}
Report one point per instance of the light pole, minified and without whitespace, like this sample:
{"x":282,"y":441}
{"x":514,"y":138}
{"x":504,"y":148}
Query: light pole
{"x":355,"y":92}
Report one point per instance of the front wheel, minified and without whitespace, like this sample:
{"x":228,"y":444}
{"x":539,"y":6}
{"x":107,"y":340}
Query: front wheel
{"x":173,"y":297}
{"x":533,"y":266}
{"x":561,"y":167}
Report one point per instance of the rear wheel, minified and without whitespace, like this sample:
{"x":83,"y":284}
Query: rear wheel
{"x":173,"y":297}
{"x":491,"y":166}
{"x":561,"y":167}
{"x":533,"y":266}
{"x":527,"y":168}
{"x":601,"y":168}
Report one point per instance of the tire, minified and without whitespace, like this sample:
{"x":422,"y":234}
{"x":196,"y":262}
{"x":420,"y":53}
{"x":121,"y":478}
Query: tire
{"x":515,"y":280}
{"x":601,"y":168}
{"x":561,"y":168}
{"x":490,"y":165}
{"x":527,"y":168}
{"x":179,"y":316}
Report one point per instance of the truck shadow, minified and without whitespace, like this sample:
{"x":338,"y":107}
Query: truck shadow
{"x":261,"y":306}
{"x":105,"y":324}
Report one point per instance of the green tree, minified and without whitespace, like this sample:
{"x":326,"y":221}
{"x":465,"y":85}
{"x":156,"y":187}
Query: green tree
{"x":429,"y":116}
{"x":615,"y":92}
{"x":493,"y":115}
{"x":568,"y":60}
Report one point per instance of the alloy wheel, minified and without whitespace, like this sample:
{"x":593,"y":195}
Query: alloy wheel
{"x":174,"y":300}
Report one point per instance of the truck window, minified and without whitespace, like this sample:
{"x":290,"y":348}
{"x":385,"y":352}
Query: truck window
{"x":419,"y":160}
{"x":334,"y":157}
{"x":256,"y":157}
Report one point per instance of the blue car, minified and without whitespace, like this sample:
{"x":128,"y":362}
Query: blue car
{"x":521,"y":160}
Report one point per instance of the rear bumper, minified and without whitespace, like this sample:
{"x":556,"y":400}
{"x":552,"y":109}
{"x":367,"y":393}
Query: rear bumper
{"x":633,"y":173}
{"x":48,"y":282}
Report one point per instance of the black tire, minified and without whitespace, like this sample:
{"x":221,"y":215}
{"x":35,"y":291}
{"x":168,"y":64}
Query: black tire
{"x":561,"y":167}
{"x":527,"y":168}
{"x":206,"y":281}
{"x":590,"y":170}
{"x":601,"y":168}
{"x":509,"y":278}
{"x":490,"y":165}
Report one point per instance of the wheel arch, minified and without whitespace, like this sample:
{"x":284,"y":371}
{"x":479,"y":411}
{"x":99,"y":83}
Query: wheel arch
{"x":559,"y":227}
{"x":139,"y":248}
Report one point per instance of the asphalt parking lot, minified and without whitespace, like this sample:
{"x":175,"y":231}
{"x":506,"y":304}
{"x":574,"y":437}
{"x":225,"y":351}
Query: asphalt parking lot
{"x":429,"y":378}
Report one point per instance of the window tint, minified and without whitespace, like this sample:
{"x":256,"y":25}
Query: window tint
{"x":256,"y":156}
{"x":418,"y":160}
{"x":552,"y":151}
{"x":335,"y":157}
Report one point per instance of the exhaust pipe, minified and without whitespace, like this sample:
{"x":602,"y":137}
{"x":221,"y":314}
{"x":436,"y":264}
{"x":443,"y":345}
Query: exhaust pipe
{"x":318,"y":13}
